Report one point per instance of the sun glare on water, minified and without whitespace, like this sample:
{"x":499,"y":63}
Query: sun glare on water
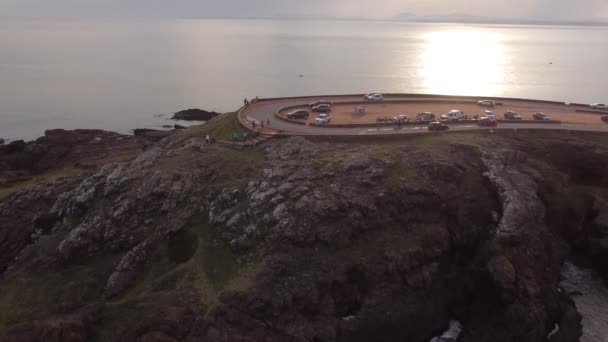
{"x":463,"y":63}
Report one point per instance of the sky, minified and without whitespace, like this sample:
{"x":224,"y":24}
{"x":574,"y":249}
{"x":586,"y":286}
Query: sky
{"x":557,"y":10}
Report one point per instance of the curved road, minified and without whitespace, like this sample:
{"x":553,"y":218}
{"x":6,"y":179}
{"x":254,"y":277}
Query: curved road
{"x":263,"y":110}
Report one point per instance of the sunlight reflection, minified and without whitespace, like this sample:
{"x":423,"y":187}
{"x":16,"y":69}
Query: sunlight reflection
{"x":463,"y":63}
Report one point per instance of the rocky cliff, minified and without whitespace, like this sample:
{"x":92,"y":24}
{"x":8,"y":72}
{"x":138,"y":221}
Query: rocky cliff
{"x":303,"y":240}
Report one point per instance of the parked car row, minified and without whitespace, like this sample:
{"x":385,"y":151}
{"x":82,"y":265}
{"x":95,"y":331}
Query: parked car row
{"x":510,"y":115}
{"x":392,"y":119}
{"x":319,"y":106}
{"x":442,"y":126}
{"x":324,"y":107}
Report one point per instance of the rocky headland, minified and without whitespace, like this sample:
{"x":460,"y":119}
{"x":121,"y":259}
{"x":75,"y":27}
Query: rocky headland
{"x":117,"y":238}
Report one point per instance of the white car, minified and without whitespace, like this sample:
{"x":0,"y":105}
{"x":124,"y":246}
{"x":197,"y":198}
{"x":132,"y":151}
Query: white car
{"x":599,"y":106}
{"x":486,"y":103}
{"x":454,"y":114}
{"x":323,"y":118}
{"x":488,"y":114}
{"x":374,"y":97}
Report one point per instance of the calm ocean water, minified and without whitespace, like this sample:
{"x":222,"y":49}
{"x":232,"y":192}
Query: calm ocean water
{"x":121,"y":75}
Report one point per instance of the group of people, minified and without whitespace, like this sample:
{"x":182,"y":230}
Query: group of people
{"x":209,"y":140}
{"x":253,"y":123}
{"x":246,"y":102}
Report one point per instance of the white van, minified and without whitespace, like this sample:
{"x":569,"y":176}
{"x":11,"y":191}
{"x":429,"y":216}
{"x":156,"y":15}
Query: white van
{"x":454,"y":114}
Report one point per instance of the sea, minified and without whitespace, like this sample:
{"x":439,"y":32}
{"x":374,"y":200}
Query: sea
{"x":124,"y":74}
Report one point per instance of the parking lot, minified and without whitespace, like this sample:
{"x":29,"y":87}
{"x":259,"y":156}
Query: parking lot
{"x":347,"y":113}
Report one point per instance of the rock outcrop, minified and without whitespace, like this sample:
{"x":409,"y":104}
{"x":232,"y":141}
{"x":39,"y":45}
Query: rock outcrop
{"x":195,"y":114}
{"x":59,"y":148}
{"x":153,"y":135}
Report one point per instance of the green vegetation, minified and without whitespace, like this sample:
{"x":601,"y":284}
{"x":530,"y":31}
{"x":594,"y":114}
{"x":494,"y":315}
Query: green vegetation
{"x":193,"y":258}
{"x":182,"y":247}
{"x":49,"y":176}
{"x":41,"y":294}
{"x":395,"y":174}
{"x":235,"y":165}
{"x":219,"y":128}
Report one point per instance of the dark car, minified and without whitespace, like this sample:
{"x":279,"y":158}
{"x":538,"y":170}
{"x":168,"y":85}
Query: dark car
{"x":605,"y":118}
{"x":321,"y":102}
{"x":438,"y":126}
{"x":510,"y":115}
{"x":487,"y":122}
{"x":322,"y":108}
{"x":540,"y":116}
{"x":298,"y":114}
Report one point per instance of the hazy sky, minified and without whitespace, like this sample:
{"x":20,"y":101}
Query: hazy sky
{"x":531,"y":9}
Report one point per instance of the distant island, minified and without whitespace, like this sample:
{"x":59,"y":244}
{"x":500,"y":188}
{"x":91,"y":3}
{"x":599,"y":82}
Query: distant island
{"x":458,"y":18}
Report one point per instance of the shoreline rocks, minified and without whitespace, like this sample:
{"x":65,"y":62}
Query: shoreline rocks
{"x":153,"y":135}
{"x":195,"y":114}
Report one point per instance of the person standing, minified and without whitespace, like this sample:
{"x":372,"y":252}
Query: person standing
{"x":253,"y":123}
{"x":267,"y":122}
{"x":207,"y":139}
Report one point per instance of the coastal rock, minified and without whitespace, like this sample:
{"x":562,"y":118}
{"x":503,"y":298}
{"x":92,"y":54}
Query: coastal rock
{"x":308,"y":241}
{"x":195,"y":114}
{"x":129,"y":267}
{"x":151,"y":134}
{"x":59,"y":149}
{"x":517,"y":190}
{"x":503,"y":274}
{"x":598,"y":238}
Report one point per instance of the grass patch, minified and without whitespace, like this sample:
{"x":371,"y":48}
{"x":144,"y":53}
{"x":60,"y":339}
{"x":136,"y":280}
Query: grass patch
{"x":182,"y":247}
{"x":42,"y":294}
{"x":235,"y":165}
{"x":49,"y":176}
{"x":394,"y":175}
{"x":216,"y":260}
{"x":194,"y":258}
{"x":117,"y":316}
{"x":219,"y":128}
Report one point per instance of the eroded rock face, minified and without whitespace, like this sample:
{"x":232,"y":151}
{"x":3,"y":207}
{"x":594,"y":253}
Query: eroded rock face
{"x":517,"y":189}
{"x":521,"y":246}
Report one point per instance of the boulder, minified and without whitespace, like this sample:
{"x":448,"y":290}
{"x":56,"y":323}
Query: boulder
{"x":195,"y":114}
